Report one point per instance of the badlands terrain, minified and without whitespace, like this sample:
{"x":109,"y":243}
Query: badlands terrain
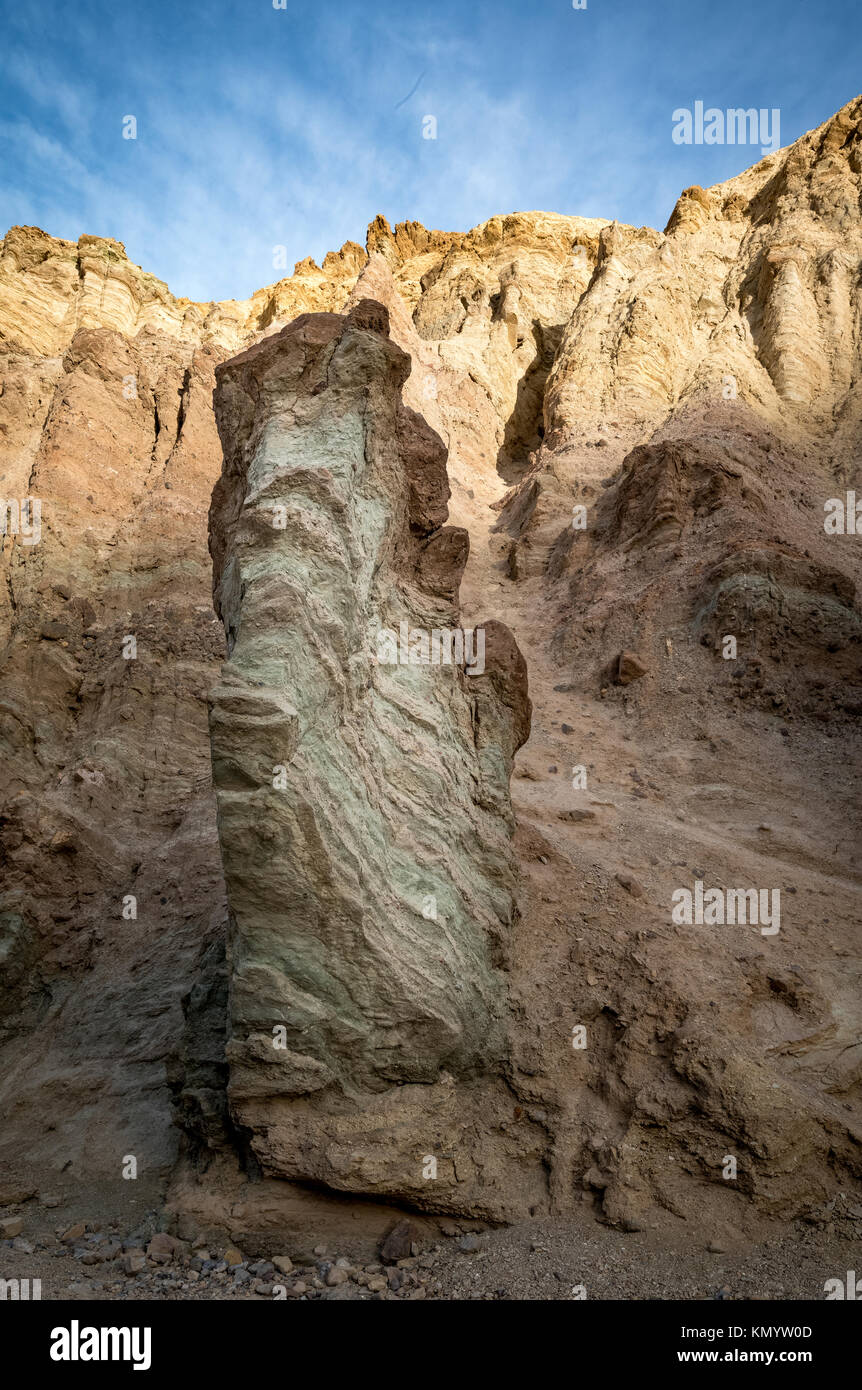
{"x":299,"y":944}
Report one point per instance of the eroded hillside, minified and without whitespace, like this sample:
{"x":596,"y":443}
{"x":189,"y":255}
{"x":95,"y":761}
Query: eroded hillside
{"x":640,"y":430}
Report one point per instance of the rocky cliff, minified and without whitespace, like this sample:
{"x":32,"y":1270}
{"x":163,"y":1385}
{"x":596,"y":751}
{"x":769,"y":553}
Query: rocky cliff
{"x":641,"y":432}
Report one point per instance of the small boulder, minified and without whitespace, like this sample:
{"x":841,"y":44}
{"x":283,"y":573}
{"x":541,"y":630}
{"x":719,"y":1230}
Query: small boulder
{"x":164,"y":1248}
{"x":629,"y":668}
{"x":13,"y":1195}
{"x":397,"y":1244}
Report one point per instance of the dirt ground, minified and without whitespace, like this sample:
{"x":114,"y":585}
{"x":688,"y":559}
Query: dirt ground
{"x":560,"y":1260}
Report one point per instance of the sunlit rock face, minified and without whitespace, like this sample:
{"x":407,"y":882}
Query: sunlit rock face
{"x":362,"y":778}
{"x":648,"y":436}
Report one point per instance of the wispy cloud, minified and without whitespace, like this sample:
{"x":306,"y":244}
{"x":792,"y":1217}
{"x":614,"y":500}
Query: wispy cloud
{"x":260,"y":128}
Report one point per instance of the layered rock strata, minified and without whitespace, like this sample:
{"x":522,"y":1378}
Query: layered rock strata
{"x":362,"y":768}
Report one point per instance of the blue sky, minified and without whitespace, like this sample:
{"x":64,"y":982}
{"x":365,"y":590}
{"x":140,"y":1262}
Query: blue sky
{"x":294,"y":127}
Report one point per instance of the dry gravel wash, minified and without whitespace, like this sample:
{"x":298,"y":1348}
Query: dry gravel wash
{"x":566,"y":1260}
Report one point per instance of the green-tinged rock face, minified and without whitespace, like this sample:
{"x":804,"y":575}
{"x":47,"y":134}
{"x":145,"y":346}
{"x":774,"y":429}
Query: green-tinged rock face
{"x":364,"y":810}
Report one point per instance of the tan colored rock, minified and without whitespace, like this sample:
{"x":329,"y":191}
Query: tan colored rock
{"x":14,"y":1195}
{"x":629,"y":668}
{"x":749,"y":291}
{"x":164,"y":1248}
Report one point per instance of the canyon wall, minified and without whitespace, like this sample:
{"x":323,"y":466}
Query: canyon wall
{"x":641,"y":431}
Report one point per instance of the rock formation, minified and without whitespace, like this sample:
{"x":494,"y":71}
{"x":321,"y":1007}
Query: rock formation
{"x":364,"y":810}
{"x":645,"y":433}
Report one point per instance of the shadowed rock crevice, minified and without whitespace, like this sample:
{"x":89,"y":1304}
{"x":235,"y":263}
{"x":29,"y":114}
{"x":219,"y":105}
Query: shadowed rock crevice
{"x":525,"y":427}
